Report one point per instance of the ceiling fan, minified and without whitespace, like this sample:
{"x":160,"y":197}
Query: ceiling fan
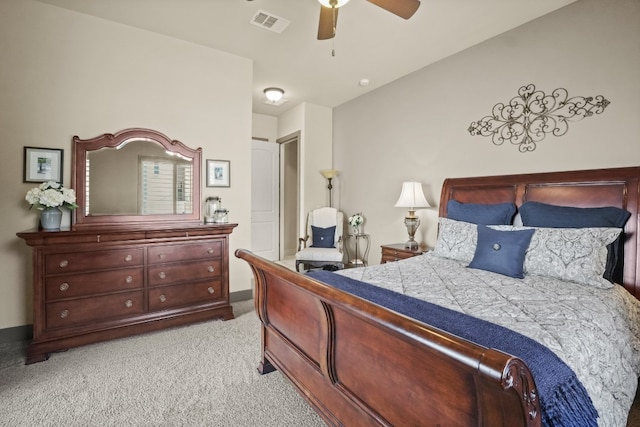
{"x":329,"y":13}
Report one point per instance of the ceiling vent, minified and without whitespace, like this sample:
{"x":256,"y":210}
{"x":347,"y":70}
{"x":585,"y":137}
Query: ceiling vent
{"x":269,"y":21}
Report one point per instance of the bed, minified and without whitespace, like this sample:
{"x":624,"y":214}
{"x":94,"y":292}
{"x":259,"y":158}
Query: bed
{"x":359,"y":360}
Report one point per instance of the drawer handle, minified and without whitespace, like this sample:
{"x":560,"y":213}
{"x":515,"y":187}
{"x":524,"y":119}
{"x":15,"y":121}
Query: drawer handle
{"x":64,"y":263}
{"x":64,"y":313}
{"x":210,"y":250}
{"x":162,"y":298}
{"x":128,"y":279}
{"x":210,"y":290}
{"x":395,"y":253}
{"x":64,"y":286}
{"x":128,"y":258}
{"x":161,"y":256}
{"x":210,"y":269}
{"x":128,"y":303}
{"x":162,"y":275}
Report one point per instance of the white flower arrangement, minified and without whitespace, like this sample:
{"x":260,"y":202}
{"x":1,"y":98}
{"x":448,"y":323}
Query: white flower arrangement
{"x":356,"y":219}
{"x":51,"y":194}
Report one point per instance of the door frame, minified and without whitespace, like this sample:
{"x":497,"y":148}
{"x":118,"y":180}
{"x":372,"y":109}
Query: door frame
{"x":290,"y":198}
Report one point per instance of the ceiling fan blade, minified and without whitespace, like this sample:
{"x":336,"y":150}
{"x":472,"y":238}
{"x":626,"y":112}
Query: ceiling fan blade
{"x":403,"y":8}
{"x":326,"y":25}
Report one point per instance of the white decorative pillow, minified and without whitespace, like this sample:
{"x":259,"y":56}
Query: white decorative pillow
{"x":574,"y":254}
{"x":456,"y":239}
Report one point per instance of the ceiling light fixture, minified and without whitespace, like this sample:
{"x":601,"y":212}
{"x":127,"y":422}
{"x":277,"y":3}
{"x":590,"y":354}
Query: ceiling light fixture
{"x":273,"y":94}
{"x":333,"y":3}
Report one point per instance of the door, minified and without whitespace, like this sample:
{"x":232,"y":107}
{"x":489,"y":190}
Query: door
{"x":265,"y":203}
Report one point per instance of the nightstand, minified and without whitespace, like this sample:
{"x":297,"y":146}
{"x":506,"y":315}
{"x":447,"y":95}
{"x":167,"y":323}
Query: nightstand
{"x":397,"y":251}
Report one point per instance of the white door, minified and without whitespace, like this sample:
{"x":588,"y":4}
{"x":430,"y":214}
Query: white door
{"x":265,"y":204}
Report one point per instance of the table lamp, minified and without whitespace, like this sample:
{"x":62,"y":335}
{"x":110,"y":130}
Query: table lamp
{"x":412,"y":197}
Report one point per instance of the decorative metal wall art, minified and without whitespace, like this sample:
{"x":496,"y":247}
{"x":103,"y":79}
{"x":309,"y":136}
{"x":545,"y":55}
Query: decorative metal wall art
{"x":531,"y":115}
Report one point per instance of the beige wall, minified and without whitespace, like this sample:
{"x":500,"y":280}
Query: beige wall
{"x":265,"y":127}
{"x":416,"y":127}
{"x":63,"y":74}
{"x":314,"y":123}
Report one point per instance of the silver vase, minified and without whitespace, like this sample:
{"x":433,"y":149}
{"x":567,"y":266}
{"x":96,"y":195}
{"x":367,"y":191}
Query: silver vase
{"x":51,"y":218}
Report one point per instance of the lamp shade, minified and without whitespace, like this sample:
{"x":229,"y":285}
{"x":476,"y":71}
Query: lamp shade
{"x":329,"y":173}
{"x":412,"y":196}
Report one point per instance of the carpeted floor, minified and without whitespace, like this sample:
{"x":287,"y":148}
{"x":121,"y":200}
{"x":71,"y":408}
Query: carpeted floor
{"x":199,"y":375}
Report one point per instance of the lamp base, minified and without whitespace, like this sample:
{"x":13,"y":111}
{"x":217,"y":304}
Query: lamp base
{"x":412,"y":223}
{"x":411,"y":244}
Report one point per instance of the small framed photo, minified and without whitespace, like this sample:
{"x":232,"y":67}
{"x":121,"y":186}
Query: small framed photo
{"x":218,"y":173}
{"x":43,"y":164}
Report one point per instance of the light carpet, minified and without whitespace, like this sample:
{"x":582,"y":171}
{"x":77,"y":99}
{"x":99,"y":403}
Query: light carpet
{"x":199,"y":375}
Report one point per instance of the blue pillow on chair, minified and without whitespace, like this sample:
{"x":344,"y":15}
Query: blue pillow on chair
{"x":478,"y":213}
{"x":323,"y":237}
{"x":502,"y":252}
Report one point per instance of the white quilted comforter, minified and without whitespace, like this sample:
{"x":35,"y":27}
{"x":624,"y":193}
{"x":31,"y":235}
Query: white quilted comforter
{"x":596,"y":332}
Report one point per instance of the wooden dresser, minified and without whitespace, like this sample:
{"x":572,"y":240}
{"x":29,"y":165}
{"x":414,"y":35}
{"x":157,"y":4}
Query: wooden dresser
{"x":95,"y":284}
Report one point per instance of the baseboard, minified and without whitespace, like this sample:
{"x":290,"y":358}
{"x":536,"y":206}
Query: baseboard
{"x":241,"y":295}
{"x":25,"y":332}
{"x":16,"y":334}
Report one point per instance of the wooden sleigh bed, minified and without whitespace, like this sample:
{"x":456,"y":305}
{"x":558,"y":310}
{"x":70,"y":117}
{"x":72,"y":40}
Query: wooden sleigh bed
{"x":358,"y":363}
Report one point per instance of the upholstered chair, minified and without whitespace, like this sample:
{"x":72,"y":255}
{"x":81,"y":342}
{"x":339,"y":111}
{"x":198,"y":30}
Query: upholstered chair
{"x":321,"y":247}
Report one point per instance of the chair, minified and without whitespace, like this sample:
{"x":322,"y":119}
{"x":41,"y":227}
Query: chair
{"x":322,"y":244}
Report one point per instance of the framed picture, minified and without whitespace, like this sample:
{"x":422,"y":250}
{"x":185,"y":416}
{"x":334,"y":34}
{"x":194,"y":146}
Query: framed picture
{"x":43,"y":164}
{"x":218,"y":173}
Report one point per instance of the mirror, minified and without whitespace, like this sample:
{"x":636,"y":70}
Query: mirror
{"x":135,"y":177}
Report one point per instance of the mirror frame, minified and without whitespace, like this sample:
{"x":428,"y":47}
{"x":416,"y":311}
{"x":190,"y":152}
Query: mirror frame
{"x":108,"y":140}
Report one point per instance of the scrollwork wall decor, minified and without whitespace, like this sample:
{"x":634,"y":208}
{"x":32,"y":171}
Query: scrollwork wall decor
{"x":527,"y":118}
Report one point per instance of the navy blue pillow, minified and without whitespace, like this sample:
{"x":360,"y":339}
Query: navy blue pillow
{"x":536,"y":214}
{"x":502,"y":252}
{"x":478,"y":213}
{"x":323,"y":237}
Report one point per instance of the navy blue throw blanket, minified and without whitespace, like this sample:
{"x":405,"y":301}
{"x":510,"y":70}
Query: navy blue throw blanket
{"x":563,"y":399}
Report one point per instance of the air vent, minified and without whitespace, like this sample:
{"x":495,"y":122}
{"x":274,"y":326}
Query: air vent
{"x":269,"y":21}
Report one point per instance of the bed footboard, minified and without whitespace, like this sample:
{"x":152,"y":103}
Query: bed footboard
{"x":358,"y":363}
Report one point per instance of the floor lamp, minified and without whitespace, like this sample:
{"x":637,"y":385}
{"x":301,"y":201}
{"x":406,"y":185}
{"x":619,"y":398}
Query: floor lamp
{"x":412,"y":197}
{"x":329,"y":174}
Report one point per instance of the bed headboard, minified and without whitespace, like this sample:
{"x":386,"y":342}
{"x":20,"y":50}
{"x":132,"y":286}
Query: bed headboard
{"x":618,"y":187}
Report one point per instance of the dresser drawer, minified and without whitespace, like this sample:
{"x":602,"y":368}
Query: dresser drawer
{"x":171,"y":253}
{"x":179,"y":295}
{"x":75,"y":285}
{"x":84,"y":310}
{"x":395,"y":256}
{"x":167,"y":274}
{"x":87,"y":261}
{"x":397,"y":251}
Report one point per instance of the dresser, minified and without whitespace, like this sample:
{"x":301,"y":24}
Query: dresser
{"x":95,"y":284}
{"x":398,"y":251}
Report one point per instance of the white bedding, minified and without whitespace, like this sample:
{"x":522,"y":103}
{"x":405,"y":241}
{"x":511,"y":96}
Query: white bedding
{"x":596,"y":332}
